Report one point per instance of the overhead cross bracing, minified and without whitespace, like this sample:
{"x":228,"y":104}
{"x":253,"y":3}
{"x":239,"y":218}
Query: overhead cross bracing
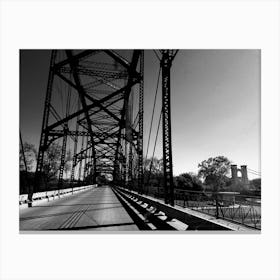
{"x":88,"y":111}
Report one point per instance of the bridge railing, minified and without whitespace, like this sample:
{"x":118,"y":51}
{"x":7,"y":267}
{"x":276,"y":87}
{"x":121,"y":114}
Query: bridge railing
{"x":232,"y":206}
{"x":53,"y":194}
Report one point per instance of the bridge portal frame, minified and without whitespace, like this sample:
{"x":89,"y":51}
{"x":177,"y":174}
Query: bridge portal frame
{"x":89,"y":107}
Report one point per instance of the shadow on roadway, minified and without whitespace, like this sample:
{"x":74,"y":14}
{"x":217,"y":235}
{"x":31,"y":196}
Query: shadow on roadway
{"x":96,"y":226}
{"x":66,"y":213}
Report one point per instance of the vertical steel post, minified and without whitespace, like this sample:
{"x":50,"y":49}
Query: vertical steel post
{"x":62,"y":162}
{"x":141,"y":122}
{"x":74,"y":161}
{"x":44,"y":133}
{"x":116,"y":172}
{"x":125,"y":163}
{"x":130,"y":163}
{"x":131,"y":103}
{"x":86,"y":160}
{"x":166,"y":63}
{"x":81,"y":161}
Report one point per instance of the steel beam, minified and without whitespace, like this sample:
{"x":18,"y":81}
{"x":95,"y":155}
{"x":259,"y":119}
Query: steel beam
{"x":81,"y":92}
{"x":166,"y":62}
{"x":44,"y":134}
{"x":141,"y":122}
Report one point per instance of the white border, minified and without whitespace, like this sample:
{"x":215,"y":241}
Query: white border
{"x":177,"y":24}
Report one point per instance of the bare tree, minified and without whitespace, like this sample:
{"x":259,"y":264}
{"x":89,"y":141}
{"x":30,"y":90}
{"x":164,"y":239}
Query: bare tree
{"x":30,"y":153}
{"x":52,"y":162}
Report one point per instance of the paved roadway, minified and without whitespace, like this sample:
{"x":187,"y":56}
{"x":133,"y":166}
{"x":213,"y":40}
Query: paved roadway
{"x":93,"y":209}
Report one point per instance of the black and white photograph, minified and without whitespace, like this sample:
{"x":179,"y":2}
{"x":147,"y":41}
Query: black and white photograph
{"x":149,"y":140}
{"x":139,"y":140}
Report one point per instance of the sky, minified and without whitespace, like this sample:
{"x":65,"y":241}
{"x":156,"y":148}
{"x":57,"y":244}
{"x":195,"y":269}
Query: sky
{"x":215,"y":104}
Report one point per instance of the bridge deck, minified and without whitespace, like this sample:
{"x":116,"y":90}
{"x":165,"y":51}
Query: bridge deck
{"x":97,"y":209}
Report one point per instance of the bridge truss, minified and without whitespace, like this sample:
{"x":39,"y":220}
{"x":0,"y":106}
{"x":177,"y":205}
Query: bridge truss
{"x":94,"y":106}
{"x":93,"y":112}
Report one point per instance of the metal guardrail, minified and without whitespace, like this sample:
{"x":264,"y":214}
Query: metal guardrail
{"x":232,"y":206}
{"x":23,"y":198}
{"x":194,"y":219}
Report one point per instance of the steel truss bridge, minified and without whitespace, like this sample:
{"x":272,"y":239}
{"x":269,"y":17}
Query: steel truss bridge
{"x":94,"y":110}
